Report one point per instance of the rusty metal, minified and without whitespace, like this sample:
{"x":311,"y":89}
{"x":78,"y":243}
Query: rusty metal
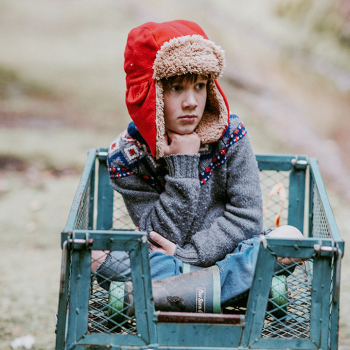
{"x":192,"y":317}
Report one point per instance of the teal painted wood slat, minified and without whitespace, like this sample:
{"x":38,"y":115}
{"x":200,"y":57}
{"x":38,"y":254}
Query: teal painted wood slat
{"x":109,"y":341}
{"x":141,"y":304}
{"x":283,"y":343}
{"x":112,"y":240}
{"x":326,"y":297}
{"x":296,"y":198}
{"x":194,"y":336}
{"x":317,"y":300}
{"x":258,"y":296}
{"x":105,"y":197}
{"x":92,"y":197}
{"x":311,"y":204}
{"x":62,"y":308}
{"x":148,"y":295}
{"x":279,"y":162}
{"x":79,"y":296}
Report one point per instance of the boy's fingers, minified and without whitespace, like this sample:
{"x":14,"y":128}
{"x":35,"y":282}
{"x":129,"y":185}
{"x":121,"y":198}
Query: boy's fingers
{"x":288,"y":261}
{"x":167,"y":247}
{"x":156,"y":237}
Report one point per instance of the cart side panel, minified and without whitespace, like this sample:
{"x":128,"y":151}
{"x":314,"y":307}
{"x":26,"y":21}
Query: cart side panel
{"x":80,"y":217}
{"x":301,"y":311}
{"x":289,"y":302}
{"x":97,"y":306}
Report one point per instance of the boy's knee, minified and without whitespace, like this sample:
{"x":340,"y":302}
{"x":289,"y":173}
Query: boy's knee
{"x":116,"y":267}
{"x":286,"y":231}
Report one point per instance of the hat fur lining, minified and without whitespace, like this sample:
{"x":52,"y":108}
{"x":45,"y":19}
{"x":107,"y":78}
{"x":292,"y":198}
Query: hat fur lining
{"x":189,"y":54}
{"x":192,"y":54}
{"x":160,"y":124}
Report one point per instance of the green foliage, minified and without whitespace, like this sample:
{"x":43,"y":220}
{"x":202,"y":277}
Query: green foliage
{"x":294,"y":10}
{"x":325,"y":17}
{"x":11,"y":83}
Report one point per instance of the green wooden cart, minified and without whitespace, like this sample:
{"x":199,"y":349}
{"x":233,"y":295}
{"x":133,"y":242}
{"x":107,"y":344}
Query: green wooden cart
{"x":307,"y":317}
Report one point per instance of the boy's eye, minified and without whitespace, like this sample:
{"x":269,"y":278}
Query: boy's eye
{"x":175,"y":88}
{"x":200,"y":86}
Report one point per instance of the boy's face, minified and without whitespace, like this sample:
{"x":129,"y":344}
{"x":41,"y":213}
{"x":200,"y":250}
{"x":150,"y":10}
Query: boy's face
{"x":184,"y":103}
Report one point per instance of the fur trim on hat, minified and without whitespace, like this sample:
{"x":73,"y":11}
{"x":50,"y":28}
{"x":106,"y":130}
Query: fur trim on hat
{"x":160,"y":124}
{"x":189,"y":54}
{"x":192,"y":54}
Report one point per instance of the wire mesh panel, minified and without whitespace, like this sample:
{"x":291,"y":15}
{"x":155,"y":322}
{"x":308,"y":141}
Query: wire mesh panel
{"x":121,"y":218}
{"x":320,"y":226}
{"x":289,"y":303}
{"x":268,"y":180}
{"x":111,"y":306}
{"x":82,"y":221}
{"x":111,"y":302}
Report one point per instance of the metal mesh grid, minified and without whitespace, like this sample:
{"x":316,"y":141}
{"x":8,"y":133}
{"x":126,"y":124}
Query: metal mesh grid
{"x":82,"y":221}
{"x":106,"y":312}
{"x":111,"y":306}
{"x":320,"y":226}
{"x":121,"y":218}
{"x":268,"y":179}
{"x":288,"y":311}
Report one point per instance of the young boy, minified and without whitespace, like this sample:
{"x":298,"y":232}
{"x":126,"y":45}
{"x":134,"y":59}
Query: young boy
{"x":185,"y":166}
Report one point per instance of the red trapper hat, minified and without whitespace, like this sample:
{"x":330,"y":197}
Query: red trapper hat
{"x":160,"y":50}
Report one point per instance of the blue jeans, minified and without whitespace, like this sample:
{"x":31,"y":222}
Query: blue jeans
{"x":236,"y":269}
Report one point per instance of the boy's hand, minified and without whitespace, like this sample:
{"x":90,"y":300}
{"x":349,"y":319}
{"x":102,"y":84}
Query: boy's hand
{"x":181,"y":144}
{"x":97,"y":258}
{"x":167,"y":247}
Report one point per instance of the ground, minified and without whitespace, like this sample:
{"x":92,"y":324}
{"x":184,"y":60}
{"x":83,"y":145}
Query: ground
{"x":62,"y":90}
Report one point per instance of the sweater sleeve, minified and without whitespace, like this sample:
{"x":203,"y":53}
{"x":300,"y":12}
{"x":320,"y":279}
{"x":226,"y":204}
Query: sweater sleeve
{"x":151,"y":209}
{"x":242,"y":215}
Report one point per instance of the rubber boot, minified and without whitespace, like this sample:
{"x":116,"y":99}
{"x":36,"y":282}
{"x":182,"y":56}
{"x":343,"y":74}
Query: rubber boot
{"x":197,"y":291}
{"x":278,"y":298}
{"x":121,"y":301}
{"x":186,"y":268}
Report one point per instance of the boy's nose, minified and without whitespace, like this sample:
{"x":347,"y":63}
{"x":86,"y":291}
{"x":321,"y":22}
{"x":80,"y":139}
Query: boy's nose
{"x":190,"y":100}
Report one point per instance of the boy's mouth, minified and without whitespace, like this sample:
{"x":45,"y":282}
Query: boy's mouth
{"x":188,"y":118}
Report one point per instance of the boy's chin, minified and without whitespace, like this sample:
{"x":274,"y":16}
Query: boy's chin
{"x":181,"y":132}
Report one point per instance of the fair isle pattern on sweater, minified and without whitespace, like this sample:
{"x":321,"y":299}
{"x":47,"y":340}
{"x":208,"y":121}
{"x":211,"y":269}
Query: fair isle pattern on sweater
{"x":220,"y":159}
{"x":138,"y":152}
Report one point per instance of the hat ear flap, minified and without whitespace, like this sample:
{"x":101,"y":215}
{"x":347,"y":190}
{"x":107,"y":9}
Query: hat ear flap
{"x":160,"y":123}
{"x":216,"y":115}
{"x":136,"y":94}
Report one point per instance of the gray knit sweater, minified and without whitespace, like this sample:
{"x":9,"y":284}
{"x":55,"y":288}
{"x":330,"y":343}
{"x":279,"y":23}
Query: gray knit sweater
{"x":205,"y":203}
